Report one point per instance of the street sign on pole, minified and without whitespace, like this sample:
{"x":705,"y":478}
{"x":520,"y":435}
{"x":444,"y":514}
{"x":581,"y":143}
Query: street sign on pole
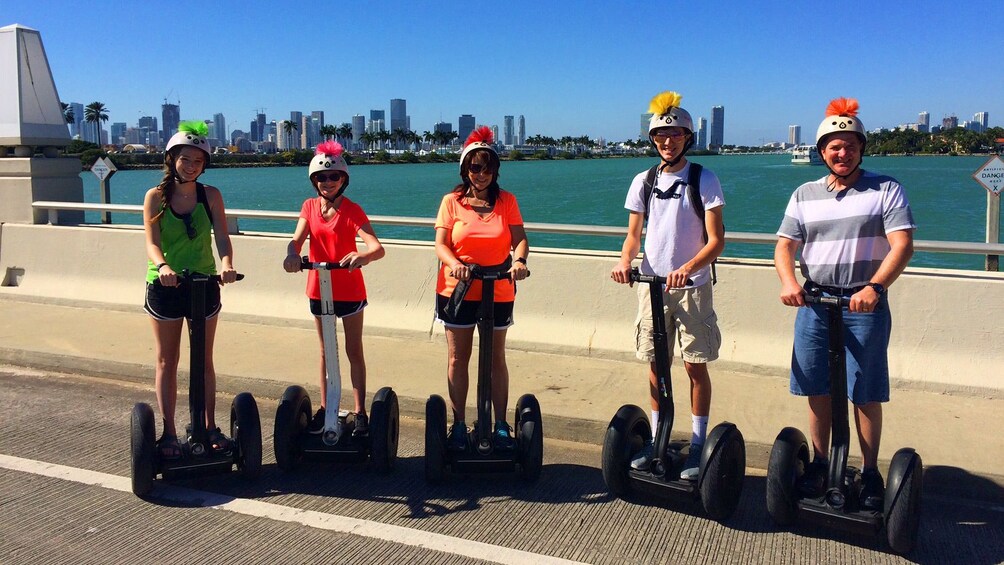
{"x":991,"y":176}
{"x":103,"y":168}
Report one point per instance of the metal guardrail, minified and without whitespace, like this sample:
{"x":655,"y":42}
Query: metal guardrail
{"x":970,"y":248}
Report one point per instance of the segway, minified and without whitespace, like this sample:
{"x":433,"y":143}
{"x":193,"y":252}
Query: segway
{"x":481,"y":456}
{"x":336,"y":442}
{"x":723,"y":459}
{"x":839,"y":506}
{"x":197,"y":455}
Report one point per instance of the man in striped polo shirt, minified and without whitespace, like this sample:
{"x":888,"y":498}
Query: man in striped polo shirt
{"x":855,"y":230}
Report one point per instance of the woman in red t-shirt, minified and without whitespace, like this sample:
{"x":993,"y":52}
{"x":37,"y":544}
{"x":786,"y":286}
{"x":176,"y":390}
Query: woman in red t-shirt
{"x":332,"y":222}
{"x":478,"y":223}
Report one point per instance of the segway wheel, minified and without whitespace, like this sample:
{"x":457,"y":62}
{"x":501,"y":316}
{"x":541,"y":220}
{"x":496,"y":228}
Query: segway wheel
{"x":626,"y":435}
{"x":789,"y":458}
{"x":245,"y":429}
{"x":291,"y":420}
{"x":384,"y":429}
{"x":530,"y":437}
{"x":902,"y":500}
{"x":723,"y":469}
{"x":435,"y":439}
{"x":143,"y":449}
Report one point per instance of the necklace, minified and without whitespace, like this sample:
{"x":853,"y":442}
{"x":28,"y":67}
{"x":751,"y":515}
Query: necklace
{"x":476,"y":201}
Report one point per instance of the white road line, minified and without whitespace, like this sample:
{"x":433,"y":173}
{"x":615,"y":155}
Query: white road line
{"x":319,"y":520}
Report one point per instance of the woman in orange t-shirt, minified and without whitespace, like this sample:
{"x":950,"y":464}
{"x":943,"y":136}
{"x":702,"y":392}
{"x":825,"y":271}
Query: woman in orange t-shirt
{"x":478,"y":223}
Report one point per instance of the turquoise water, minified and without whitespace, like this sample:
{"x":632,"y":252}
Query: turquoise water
{"x":948,"y":204}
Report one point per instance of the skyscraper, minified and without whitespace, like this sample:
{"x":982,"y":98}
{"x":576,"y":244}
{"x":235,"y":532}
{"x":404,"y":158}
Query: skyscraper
{"x":643,"y":132}
{"x":221,"y":129}
{"x":795,"y":135}
{"x":77,"y":127}
{"x":507,"y":130}
{"x":983,"y":119}
{"x":118,"y":130}
{"x":148,"y":122}
{"x":465,"y":125}
{"x":702,"y":134}
{"x":170,"y":116}
{"x":521,"y":138}
{"x":297,"y":119}
{"x":358,"y":129}
{"x":717,"y":128}
{"x":398,"y":118}
{"x":949,"y":122}
{"x":377,"y":121}
{"x":924,"y":122}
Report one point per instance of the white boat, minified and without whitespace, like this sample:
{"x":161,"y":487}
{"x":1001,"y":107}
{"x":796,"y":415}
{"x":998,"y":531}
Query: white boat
{"x":805,"y":155}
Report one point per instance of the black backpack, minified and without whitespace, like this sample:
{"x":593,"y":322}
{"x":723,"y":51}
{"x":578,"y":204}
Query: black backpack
{"x":693,"y":193}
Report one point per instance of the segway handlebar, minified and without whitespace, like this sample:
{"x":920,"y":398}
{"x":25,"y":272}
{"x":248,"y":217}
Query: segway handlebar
{"x":637,"y":277}
{"x":307,"y":264}
{"x":480,"y":273}
{"x":187,"y":276}
{"x":841,"y":301}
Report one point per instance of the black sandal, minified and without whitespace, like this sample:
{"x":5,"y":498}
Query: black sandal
{"x":168,"y":447}
{"x":218,"y":441}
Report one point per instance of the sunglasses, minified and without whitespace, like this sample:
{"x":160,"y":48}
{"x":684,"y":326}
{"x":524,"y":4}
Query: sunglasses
{"x":333,"y":176}
{"x":189,"y":228}
{"x":477,"y":169}
{"x":662,"y":136}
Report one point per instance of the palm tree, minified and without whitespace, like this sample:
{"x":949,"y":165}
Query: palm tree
{"x":429,"y":138}
{"x":95,"y":113}
{"x":67,"y":113}
{"x":289,"y":127}
{"x":344,"y":131}
{"x":384,"y":136}
{"x":368,"y":138}
{"x":328,"y":132}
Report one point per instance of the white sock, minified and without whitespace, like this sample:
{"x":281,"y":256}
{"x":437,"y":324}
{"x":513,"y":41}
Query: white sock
{"x":655,"y":422}
{"x":700,"y":429}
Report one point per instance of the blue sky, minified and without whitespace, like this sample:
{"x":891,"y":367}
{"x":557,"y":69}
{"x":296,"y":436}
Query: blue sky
{"x":571,"y":68}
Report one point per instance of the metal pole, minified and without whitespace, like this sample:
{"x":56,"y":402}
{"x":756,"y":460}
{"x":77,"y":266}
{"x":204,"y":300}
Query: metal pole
{"x":993,"y":228}
{"x":105,"y":190}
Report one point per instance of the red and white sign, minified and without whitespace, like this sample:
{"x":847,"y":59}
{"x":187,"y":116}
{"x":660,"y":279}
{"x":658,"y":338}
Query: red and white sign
{"x":991,"y":175}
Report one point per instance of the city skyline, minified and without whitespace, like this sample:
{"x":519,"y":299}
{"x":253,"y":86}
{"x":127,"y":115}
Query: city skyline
{"x":564,"y":78}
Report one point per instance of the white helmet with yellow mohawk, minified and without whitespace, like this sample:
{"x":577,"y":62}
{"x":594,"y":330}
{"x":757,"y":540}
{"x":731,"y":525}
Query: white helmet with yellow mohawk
{"x":841,"y":115}
{"x":328,"y":157}
{"x":481,"y":138}
{"x":666,"y":112}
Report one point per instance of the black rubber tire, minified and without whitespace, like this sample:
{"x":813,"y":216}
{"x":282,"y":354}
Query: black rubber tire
{"x":903,"y":500}
{"x":723,"y":470}
{"x":529,"y":437}
{"x":245,"y":429}
{"x":435,"y":439}
{"x":384,"y":429}
{"x":789,"y":458}
{"x":143,"y":449}
{"x":626,"y":435}
{"x":291,"y":420}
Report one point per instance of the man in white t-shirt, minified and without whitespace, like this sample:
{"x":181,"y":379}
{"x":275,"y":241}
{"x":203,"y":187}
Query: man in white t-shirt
{"x":676,"y":247}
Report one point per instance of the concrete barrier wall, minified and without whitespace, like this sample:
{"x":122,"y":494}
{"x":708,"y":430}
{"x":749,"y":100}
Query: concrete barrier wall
{"x":946,"y":333}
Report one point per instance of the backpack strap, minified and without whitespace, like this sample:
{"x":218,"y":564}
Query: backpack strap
{"x":200,"y":196}
{"x":648,"y":185}
{"x":694,"y":193}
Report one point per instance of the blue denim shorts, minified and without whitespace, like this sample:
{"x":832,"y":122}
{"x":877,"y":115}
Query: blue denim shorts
{"x":866,"y":344}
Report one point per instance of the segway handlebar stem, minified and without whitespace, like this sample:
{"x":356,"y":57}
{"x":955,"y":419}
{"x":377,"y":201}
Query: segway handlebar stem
{"x":841,"y":301}
{"x":306,"y":264}
{"x":637,"y":277}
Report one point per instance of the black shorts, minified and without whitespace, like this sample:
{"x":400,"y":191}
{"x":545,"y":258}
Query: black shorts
{"x":167,"y":303}
{"x":343,"y":308}
{"x":468,"y":315}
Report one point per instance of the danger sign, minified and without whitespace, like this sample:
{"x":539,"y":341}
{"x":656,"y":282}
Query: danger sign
{"x":991,"y":175}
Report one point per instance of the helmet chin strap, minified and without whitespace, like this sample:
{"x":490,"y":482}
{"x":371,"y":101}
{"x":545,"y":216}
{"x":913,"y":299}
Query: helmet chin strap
{"x":333,"y":198}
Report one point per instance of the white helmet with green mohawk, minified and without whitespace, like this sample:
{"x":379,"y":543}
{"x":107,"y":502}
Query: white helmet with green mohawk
{"x":194,"y":134}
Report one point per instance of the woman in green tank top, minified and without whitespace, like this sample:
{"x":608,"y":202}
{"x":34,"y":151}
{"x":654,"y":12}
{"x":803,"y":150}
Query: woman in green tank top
{"x":182,"y":218}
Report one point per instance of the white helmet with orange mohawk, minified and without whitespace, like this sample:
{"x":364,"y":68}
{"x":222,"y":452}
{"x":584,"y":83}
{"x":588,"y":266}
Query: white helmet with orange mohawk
{"x":328,"y":157}
{"x":841,"y":115}
{"x":480,"y":138}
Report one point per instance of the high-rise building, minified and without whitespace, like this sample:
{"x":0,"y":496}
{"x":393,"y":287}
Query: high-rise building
{"x":358,"y":129}
{"x":148,"y":122}
{"x":795,"y":135}
{"x":924,"y":122}
{"x":170,"y":115}
{"x":398,"y":114}
{"x":983,"y":119}
{"x":221,"y":129}
{"x":377,"y":116}
{"x":495,"y":133}
{"x":77,"y":127}
{"x":117,"y":131}
{"x":465,"y":125}
{"x":261,"y":129}
{"x":444,"y":127}
{"x":643,"y":132}
{"x":283,"y":141}
{"x":717,"y":128}
{"x":949,"y":122}
{"x":312,"y":129}
{"x":297,"y":119}
{"x":508,"y":134}
{"x":521,"y":128}
{"x":702,"y":134}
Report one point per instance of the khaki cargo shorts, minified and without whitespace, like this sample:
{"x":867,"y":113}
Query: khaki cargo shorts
{"x":690,"y":321}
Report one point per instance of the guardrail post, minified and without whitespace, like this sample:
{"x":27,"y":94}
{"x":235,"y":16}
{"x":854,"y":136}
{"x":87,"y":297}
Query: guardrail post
{"x":54,"y":216}
{"x":993,"y":228}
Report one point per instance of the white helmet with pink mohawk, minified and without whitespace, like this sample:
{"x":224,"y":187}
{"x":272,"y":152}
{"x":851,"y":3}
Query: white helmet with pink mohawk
{"x":328,"y":157}
{"x":480,"y":138}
